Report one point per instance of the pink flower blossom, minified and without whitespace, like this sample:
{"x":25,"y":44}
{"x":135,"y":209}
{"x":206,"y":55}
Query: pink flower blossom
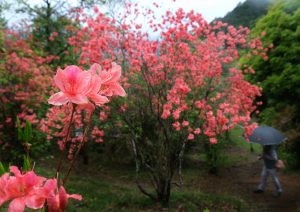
{"x":58,"y":199}
{"x":185,"y":123}
{"x":176,"y":125}
{"x":213,"y":141}
{"x":3,"y":184}
{"x":32,"y":191}
{"x":93,"y":91}
{"x":197,"y":131}
{"x":23,"y":189}
{"x":110,"y":80}
{"x":191,"y":136}
{"x":73,"y":84}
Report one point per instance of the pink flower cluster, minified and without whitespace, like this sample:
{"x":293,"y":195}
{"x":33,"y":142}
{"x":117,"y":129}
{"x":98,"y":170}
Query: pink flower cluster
{"x":32,"y":191}
{"x":79,"y":87}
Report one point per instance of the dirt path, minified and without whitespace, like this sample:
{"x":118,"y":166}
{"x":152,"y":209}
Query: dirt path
{"x":246,"y":179}
{"x":241,"y":180}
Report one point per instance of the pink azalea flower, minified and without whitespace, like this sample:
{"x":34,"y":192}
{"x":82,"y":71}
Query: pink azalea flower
{"x":73,"y":84}
{"x":213,"y":141}
{"x":191,"y":136}
{"x":93,"y":91}
{"x":58,"y":201}
{"x":25,"y":190}
{"x":185,"y":123}
{"x":3,"y":184}
{"x":110,"y":80}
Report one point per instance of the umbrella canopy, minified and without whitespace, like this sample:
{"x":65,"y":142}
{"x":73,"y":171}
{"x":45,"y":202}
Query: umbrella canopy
{"x":267,"y":135}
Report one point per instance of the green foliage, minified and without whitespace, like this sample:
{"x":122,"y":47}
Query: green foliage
{"x":2,"y":169}
{"x":49,"y":30}
{"x":280,"y":75}
{"x":215,"y":156}
{"x":289,"y":157}
{"x":24,"y":135}
{"x":44,"y":30}
{"x":27,"y":132}
{"x":26,"y":163}
{"x":246,"y":13}
{"x":3,"y":6}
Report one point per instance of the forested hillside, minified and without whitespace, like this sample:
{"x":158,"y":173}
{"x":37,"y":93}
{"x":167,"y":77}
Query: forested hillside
{"x":246,"y":13}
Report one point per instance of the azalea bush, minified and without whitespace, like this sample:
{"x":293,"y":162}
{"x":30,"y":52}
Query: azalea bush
{"x":182,"y":87}
{"x":78,"y":88}
{"x":25,"y":80}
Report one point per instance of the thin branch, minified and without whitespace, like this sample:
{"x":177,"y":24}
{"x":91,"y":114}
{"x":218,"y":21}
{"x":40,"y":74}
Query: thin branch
{"x":137,"y":168}
{"x":66,"y":139}
{"x":180,"y":162}
{"x":79,"y":148}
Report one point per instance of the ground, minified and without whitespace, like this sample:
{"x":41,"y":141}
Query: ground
{"x":240,"y":180}
{"x":111,"y":187}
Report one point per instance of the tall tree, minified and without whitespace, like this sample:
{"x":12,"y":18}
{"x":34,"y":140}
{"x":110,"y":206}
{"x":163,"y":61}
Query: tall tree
{"x":280,"y":74}
{"x":49,"y":34}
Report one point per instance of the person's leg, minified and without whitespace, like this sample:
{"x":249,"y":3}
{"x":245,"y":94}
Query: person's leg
{"x":263,"y":179}
{"x":276,"y":181}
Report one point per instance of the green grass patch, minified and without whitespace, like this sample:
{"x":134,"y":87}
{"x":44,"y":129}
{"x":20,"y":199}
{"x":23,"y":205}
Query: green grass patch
{"x":236,"y":137}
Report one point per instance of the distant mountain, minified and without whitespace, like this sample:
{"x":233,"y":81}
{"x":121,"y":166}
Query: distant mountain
{"x":246,"y":13}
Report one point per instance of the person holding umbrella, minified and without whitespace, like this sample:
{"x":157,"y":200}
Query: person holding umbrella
{"x":268,"y":137}
{"x":270,"y":158}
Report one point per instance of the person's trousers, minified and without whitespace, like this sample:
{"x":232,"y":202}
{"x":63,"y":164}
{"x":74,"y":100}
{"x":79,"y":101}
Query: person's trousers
{"x":263,"y":179}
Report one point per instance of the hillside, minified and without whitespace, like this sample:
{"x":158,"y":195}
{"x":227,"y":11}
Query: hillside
{"x":246,"y":13}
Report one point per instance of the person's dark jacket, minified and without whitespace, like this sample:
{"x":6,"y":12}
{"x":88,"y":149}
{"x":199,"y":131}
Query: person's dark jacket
{"x":270,"y":157}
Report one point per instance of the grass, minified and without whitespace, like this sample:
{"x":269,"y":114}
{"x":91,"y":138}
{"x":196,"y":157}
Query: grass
{"x":111,"y":187}
{"x":236,"y":137}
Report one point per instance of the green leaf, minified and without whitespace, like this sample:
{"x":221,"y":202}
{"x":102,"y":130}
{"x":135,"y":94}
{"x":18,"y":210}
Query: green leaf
{"x":28,"y":132}
{"x":2,"y":169}
{"x":20,"y":132}
{"x":26,"y":164}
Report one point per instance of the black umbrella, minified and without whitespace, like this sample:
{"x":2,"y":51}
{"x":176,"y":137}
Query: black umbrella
{"x":266,"y":135}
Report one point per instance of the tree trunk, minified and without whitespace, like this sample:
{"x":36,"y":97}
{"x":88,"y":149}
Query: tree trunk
{"x":164,"y":191}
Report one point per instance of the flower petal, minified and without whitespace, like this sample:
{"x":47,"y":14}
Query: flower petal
{"x":15,"y":170}
{"x":95,"y":68}
{"x":95,"y":84}
{"x":60,"y":80}
{"x":115,"y":72}
{"x":58,"y":99}
{"x":17,"y":205}
{"x":78,"y":99}
{"x":105,"y":76}
{"x":98,"y":99}
{"x":63,"y":198}
{"x":53,"y":203}
{"x":83,"y":82}
{"x":118,"y":90}
{"x":35,"y":201}
{"x":75,"y":196}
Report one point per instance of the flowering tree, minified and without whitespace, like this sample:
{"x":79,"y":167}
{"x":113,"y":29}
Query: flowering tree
{"x":78,"y":88}
{"x":25,"y":81}
{"x":181,"y":87}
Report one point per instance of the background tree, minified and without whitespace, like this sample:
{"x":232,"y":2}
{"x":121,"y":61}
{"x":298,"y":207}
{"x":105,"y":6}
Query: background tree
{"x":280,"y":74}
{"x":178,"y":89}
{"x":49,"y":29}
{"x":25,"y":78}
